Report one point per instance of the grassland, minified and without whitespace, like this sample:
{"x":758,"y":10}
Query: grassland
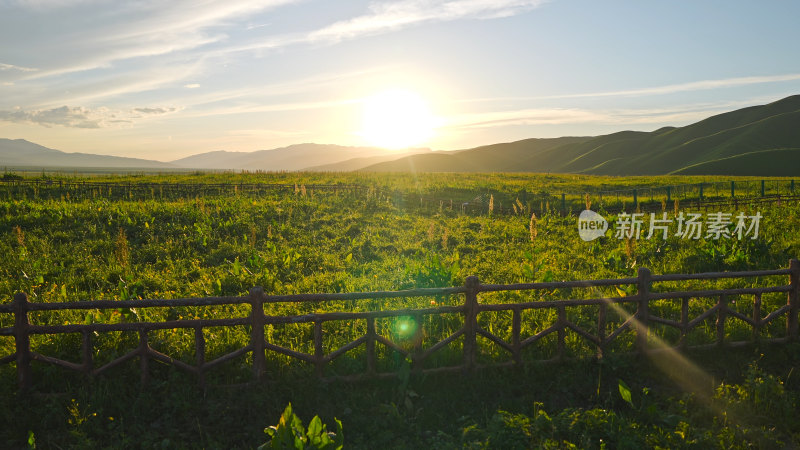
{"x":126,"y":243}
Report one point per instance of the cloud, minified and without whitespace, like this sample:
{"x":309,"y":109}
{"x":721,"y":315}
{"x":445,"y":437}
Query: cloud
{"x":97,"y":34}
{"x":39,"y":5}
{"x":191,"y":86}
{"x":10,"y":67}
{"x":555,"y":116}
{"x":80,"y":117}
{"x":76,"y":117}
{"x":144,"y":112}
{"x":678,"y":115}
{"x":388,"y":16}
{"x":701,"y":85}
{"x":391,"y":16}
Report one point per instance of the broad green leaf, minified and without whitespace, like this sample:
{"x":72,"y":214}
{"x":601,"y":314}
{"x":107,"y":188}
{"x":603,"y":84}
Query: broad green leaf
{"x":625,"y":392}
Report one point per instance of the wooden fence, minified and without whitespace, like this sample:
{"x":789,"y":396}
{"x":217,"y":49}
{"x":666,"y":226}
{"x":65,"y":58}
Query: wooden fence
{"x":166,"y":187}
{"x":640,"y":323}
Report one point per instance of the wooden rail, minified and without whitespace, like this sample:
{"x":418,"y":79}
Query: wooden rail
{"x":471,"y":334}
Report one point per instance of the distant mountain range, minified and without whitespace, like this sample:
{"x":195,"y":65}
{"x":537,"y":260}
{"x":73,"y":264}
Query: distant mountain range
{"x":760,"y":140}
{"x":21,"y":153}
{"x":293,"y":157}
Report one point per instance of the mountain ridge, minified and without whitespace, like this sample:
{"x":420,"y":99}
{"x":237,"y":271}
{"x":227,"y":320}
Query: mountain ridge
{"x":718,"y":141}
{"x":756,"y":140}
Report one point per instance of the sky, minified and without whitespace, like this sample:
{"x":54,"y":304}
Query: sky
{"x":164,"y":80}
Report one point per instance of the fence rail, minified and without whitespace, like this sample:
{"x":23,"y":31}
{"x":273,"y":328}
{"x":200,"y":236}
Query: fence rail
{"x":471,"y":333}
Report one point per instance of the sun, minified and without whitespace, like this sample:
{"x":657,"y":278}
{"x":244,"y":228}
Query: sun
{"x":396,"y":119}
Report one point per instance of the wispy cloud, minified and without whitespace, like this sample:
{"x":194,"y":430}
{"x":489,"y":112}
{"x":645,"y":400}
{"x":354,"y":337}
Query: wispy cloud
{"x":691,"y":86}
{"x":263,"y":93}
{"x":678,"y":115}
{"x":10,"y":67}
{"x":555,"y":116}
{"x":267,"y":108}
{"x":80,"y":117}
{"x":390,"y":16}
{"x":122,"y":31}
{"x":74,"y":117}
{"x":701,"y":85}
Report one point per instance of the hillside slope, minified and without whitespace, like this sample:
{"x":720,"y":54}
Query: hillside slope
{"x":506,"y":157}
{"x":758,"y":140}
{"x":22,"y":153}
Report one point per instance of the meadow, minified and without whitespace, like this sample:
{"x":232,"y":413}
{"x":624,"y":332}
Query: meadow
{"x":137,"y":240}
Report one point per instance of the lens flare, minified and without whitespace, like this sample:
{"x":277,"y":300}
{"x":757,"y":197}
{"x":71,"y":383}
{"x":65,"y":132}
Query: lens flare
{"x":405,"y":327}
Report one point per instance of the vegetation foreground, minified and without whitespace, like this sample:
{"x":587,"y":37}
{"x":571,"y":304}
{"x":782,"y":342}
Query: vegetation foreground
{"x":68,"y":245}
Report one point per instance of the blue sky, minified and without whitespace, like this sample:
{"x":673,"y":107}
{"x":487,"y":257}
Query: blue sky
{"x":163,"y":80}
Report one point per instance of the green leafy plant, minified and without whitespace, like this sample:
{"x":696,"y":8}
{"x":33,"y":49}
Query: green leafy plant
{"x":290,"y":433}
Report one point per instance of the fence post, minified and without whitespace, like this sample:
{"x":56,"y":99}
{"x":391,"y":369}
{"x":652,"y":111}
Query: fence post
{"x":643,"y":310}
{"x":144,"y":361}
{"x":762,"y":188}
{"x":200,"y":355}
{"x":470,"y":320}
{"x":635,"y":199}
{"x":371,"y":346}
{"x":701,"y":191}
{"x":319,"y":353}
{"x":669,"y":194}
{"x":257,"y":331}
{"x":601,"y":331}
{"x":791,"y":317}
{"x":564,"y":203}
{"x":722,"y":314}
{"x":733,"y":189}
{"x":22,"y":341}
{"x":515,"y":340}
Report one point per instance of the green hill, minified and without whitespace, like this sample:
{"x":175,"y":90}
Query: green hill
{"x":488,"y":158}
{"x":758,"y":140}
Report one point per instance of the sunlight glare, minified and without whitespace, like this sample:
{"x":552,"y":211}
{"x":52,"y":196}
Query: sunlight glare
{"x":396,"y":120}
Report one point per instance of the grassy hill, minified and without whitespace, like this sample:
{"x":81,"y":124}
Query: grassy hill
{"x":488,"y":158}
{"x":758,"y":140}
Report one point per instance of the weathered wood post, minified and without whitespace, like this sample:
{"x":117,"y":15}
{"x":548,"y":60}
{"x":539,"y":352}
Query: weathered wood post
{"x":319,"y":353}
{"x":86,"y":347}
{"x":470,"y":320}
{"x":416,"y":362}
{"x":643,"y":310}
{"x":200,"y":355}
{"x":22,"y":341}
{"x":756,"y":317}
{"x":257,"y":298}
{"x":561,"y":323}
{"x":601,"y":330}
{"x":791,"y":317}
{"x":144,"y":356}
{"x":515,"y":340}
{"x":684,"y":322}
{"x":371,"y":336}
{"x":722,"y":314}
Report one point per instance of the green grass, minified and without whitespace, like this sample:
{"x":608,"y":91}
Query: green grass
{"x":61,"y":245}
